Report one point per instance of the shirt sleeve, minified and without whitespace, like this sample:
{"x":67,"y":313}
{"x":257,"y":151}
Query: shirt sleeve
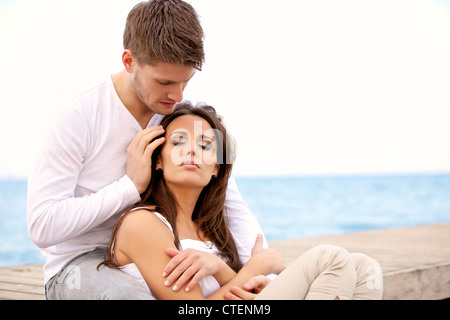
{"x":54,"y":213}
{"x":242,"y":222}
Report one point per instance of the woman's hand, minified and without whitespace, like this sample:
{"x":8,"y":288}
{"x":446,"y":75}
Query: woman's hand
{"x":250,"y":289}
{"x":193,"y":264}
{"x":270,"y":260}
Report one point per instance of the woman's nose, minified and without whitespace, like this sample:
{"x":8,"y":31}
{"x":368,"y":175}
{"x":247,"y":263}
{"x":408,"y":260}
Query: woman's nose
{"x":191,"y":150}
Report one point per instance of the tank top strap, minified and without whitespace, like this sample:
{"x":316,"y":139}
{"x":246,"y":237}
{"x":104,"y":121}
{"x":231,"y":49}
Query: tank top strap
{"x":160,"y":216}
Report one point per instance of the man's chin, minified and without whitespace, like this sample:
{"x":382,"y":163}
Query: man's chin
{"x":163,"y":110}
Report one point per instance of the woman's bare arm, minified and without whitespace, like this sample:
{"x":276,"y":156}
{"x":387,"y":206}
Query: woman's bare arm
{"x":143,"y":239}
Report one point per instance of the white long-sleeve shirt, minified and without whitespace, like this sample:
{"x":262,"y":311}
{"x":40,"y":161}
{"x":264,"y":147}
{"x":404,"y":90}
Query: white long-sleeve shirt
{"x":80,"y":187}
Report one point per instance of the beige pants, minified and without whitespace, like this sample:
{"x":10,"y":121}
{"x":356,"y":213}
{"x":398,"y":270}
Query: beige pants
{"x":327,"y":272}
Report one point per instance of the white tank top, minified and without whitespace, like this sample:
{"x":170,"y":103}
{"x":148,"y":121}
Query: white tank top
{"x":208,"y":284}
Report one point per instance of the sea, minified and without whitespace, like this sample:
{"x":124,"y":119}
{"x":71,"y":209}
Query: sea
{"x":286,"y":207}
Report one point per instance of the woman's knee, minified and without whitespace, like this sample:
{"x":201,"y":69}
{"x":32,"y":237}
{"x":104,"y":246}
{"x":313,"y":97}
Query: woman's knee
{"x":365,"y":264}
{"x":334,"y":275}
{"x":331,"y":252}
{"x":363,"y":259}
{"x":369,"y":277}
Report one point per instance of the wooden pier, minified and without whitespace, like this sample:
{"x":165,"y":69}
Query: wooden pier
{"x":22,"y":283}
{"x":415,"y":262}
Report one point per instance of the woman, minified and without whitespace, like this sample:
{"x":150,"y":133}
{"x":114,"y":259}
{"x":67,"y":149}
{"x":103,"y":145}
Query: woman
{"x":183,"y":210}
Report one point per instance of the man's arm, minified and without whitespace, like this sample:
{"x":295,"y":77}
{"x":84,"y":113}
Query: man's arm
{"x":241,"y":221}
{"x":54,"y":212}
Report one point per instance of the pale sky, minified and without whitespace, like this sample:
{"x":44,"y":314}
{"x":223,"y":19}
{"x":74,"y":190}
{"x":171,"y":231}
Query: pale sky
{"x":306,"y":87}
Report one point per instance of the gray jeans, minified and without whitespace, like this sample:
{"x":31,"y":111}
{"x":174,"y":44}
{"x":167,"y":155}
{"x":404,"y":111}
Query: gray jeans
{"x":79,"y":279}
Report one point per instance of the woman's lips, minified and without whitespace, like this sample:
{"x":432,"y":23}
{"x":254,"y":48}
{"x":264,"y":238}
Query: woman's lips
{"x":190,"y":165}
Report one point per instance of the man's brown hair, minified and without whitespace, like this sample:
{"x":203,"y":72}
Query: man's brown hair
{"x":165,"y":31}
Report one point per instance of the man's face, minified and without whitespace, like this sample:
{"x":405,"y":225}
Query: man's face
{"x":161,"y":86}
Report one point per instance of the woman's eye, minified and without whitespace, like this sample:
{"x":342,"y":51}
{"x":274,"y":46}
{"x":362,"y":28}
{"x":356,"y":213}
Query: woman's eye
{"x":178,"y":140}
{"x":207,"y":146}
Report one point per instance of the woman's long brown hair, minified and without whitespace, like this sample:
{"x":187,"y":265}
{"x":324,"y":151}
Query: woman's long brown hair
{"x":209,"y":212}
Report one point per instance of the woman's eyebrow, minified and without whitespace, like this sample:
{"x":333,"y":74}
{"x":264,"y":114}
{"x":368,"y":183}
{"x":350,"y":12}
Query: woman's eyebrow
{"x":185,"y":133}
{"x":180,"y":132}
{"x":205,"y":137}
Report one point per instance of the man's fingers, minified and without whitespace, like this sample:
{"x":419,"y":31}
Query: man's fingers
{"x":251,"y":284}
{"x":257,"y":283}
{"x":258,"y":243}
{"x":138,"y":137}
{"x":139,"y":154}
{"x":237,"y":293}
{"x":152,"y":146}
{"x":230,"y":296}
{"x":147,"y":138}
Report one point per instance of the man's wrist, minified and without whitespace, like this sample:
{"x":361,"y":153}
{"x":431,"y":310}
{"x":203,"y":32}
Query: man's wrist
{"x":131,"y":188}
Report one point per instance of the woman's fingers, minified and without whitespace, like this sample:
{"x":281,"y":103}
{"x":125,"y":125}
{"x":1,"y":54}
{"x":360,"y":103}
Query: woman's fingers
{"x":189,"y":267}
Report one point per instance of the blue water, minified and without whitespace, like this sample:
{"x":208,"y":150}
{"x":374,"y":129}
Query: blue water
{"x":286,"y":207}
{"x":295,"y":207}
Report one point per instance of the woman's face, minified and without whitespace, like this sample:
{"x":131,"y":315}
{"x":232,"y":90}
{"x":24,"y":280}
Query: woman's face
{"x":189,"y":155}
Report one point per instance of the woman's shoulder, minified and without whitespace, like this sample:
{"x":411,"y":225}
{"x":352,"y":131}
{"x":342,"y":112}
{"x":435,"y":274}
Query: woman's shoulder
{"x":141,"y":229}
{"x":144,"y":220}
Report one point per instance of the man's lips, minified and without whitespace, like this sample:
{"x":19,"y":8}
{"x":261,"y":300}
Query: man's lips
{"x":167,"y":104}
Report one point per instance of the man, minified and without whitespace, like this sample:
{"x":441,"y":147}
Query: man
{"x":97,"y":161}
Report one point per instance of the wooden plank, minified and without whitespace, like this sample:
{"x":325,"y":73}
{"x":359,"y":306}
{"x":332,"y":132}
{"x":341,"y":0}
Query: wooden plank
{"x":24,"y":288}
{"x":14,"y":295}
{"x":20,"y":280}
{"x":415,"y":262}
{"x":26,"y":271}
{"x":396,"y":248}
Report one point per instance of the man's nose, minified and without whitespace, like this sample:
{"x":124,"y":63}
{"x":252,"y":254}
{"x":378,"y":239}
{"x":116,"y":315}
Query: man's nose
{"x":176,"y":93}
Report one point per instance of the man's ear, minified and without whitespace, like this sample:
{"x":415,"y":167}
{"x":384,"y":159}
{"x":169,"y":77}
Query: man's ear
{"x":128,"y":60}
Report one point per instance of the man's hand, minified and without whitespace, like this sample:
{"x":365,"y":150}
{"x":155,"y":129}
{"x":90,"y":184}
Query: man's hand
{"x":270,"y":259}
{"x":250,"y":289}
{"x":139,"y":156}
